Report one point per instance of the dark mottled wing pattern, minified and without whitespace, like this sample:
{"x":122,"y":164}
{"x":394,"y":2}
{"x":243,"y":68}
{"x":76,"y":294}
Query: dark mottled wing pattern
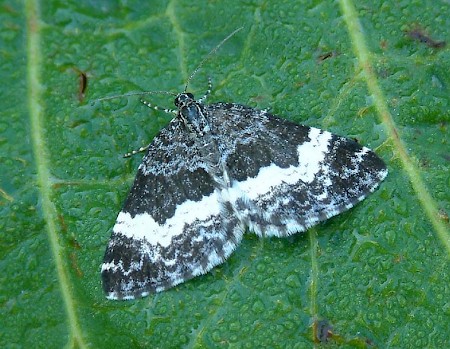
{"x":174,"y":224}
{"x":287,"y":177}
{"x":196,"y":193}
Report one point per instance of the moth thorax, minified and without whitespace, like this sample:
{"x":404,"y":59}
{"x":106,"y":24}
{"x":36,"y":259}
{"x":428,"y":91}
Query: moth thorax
{"x":192,"y":113}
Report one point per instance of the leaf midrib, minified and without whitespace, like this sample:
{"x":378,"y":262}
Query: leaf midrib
{"x":41,"y":158}
{"x":363,"y":55}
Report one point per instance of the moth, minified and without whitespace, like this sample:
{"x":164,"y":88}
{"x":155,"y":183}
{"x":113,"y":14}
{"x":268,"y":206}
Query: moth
{"x":219,"y":170}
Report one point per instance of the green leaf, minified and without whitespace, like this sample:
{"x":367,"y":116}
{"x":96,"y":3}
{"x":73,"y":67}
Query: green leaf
{"x":378,"y":274}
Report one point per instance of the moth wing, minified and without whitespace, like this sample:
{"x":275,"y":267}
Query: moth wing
{"x":174,"y":224}
{"x":287,"y":177}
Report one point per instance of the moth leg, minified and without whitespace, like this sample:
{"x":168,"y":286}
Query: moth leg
{"x":155,"y":107}
{"x":208,"y":92}
{"x":136,"y":151}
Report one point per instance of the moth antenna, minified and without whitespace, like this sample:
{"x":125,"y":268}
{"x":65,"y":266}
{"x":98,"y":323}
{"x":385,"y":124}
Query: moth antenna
{"x":134,"y":94}
{"x":187,"y":82}
{"x":209,"y":55}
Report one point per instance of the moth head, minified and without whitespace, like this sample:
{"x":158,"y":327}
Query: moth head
{"x":183,"y":100}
